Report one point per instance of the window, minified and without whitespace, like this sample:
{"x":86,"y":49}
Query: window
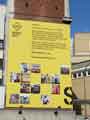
{"x":84,"y":73}
{"x":1,"y":44}
{"x":74,"y":75}
{"x":79,"y":74}
{"x":1,"y":82}
{"x":88,"y":72}
{"x":1,"y":64}
{"x":1,"y":70}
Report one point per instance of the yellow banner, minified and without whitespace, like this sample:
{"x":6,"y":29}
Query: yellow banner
{"x":38,"y":67}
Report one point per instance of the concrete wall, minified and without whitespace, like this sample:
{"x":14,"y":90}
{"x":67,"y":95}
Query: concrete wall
{"x":36,"y":115}
{"x":82,"y":44}
{"x":39,"y":115}
{"x":79,"y":89}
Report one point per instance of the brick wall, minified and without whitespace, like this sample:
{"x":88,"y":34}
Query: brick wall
{"x":27,"y":9}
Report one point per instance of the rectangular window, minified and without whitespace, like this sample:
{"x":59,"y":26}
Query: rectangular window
{"x":1,"y":44}
{"x":1,"y":64}
{"x":79,"y":74}
{"x":88,"y":71}
{"x":1,"y":72}
{"x":74,"y":76}
{"x":1,"y":82}
{"x":84,"y":73}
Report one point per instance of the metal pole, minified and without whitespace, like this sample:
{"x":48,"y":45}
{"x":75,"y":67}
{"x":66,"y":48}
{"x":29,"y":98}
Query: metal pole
{"x":85,"y":97}
{"x":85,"y":112}
{"x":85,"y":92}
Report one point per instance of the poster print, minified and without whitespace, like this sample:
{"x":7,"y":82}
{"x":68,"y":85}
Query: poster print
{"x":38,"y":68}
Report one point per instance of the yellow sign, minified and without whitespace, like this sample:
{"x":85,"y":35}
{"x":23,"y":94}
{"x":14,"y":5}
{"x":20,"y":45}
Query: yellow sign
{"x":38,"y":69}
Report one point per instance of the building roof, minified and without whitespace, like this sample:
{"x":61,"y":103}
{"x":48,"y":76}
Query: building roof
{"x":78,"y":59}
{"x":84,"y":64}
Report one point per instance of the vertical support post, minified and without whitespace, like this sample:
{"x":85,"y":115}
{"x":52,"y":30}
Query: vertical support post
{"x":85,"y":97}
{"x":67,"y":10}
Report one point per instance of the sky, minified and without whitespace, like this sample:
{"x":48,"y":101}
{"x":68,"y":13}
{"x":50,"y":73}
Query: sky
{"x":2,"y":1}
{"x":79,"y":10}
{"x":80,"y":13}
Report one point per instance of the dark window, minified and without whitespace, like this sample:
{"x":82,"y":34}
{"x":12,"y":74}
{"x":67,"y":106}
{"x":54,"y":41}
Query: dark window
{"x":1,"y":68}
{"x":74,"y":75}
{"x":88,"y":71}
{"x":84,"y":73}
{"x":1,"y":64}
{"x":1,"y":82}
{"x":79,"y":74}
{"x":1,"y":44}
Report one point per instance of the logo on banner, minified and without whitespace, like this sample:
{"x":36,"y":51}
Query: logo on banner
{"x":17,"y":28}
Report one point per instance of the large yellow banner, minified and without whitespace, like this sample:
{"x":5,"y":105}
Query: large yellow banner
{"x":38,"y":69}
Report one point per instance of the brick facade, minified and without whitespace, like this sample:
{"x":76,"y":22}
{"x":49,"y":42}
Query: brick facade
{"x":27,"y":9}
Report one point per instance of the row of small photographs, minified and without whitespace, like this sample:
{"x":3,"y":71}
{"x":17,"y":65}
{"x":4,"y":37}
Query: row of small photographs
{"x":27,"y":88}
{"x":16,"y":99}
{"x":25,"y":99}
{"x":25,"y":77}
{"x":35,"y":89}
{"x":19,"y":77}
{"x":25,"y":68}
{"x":54,"y":79}
{"x":36,"y":68}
